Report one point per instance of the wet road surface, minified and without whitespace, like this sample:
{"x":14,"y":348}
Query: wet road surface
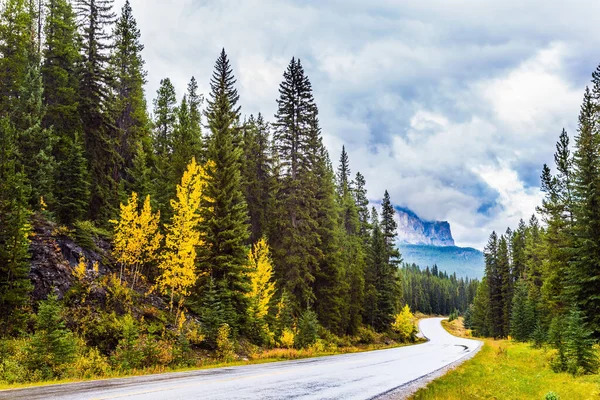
{"x":348,"y":376}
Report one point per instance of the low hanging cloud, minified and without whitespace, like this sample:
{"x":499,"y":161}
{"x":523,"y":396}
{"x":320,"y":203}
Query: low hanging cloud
{"x":452,"y":106}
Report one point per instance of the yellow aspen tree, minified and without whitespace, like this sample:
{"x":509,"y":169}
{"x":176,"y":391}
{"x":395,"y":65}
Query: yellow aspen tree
{"x":178,"y":264}
{"x":136,"y":239}
{"x":261,"y":272}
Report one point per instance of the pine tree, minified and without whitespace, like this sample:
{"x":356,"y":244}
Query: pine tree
{"x":16,"y":47}
{"x":258,"y":175}
{"x":35,"y":142}
{"x":187,"y":135}
{"x":72,"y":190}
{"x":128,"y":104}
{"x":522,"y":316}
{"x":389,"y":229}
{"x":496,"y":306}
{"x":294,"y":239}
{"x":362,"y":204}
{"x":95,"y":80}
{"x":14,"y":234}
{"x":60,"y":99}
{"x":165,"y":118}
{"x":481,"y":324}
{"x":506,"y":284}
{"x":53,"y":345}
{"x":579,"y":345}
{"x":224,"y":212}
{"x":586,"y":191}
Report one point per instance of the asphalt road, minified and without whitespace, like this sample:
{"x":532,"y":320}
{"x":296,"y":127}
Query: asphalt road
{"x":348,"y":376}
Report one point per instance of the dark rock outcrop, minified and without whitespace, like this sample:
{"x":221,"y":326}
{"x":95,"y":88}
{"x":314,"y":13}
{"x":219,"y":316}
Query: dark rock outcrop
{"x":53,"y":257}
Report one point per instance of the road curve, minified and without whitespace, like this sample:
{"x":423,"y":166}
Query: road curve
{"x":348,"y":376}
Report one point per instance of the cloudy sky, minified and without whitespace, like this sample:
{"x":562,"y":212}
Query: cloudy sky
{"x":451,"y":105}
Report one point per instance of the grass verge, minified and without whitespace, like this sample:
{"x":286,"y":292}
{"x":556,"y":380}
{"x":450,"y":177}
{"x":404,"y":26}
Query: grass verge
{"x":507,"y":370}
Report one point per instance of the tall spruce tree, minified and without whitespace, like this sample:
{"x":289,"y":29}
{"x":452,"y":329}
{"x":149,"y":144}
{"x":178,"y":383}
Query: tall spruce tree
{"x":225,"y":215}
{"x":16,"y":47}
{"x":60,"y":98}
{"x":494,"y":283}
{"x":14,"y":234}
{"x":295,"y":239}
{"x":583,"y":274}
{"x":94,"y":18}
{"x":165,"y":119}
{"x":128,"y":103}
{"x":187,"y":134}
{"x":258,"y":175}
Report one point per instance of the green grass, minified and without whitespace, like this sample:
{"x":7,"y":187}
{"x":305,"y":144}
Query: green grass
{"x":507,"y":370}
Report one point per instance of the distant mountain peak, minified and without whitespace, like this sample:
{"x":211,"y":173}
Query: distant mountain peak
{"x":414,"y":230}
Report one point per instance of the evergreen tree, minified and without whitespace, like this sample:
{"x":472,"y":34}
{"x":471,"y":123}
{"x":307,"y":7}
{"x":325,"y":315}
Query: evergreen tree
{"x":295,"y":239}
{"x":53,"y":345}
{"x":60,"y":99}
{"x":95,"y":16}
{"x":128,"y":103}
{"x":583,"y":273}
{"x":225,"y":217}
{"x":14,"y":234}
{"x":187,"y":135}
{"x":16,"y":47}
{"x":506,"y":284}
{"x":522,"y":315}
{"x":165,"y":118}
{"x":362,"y":204}
{"x":258,"y":175}
{"x":72,"y":190}
{"x":494,"y":283}
{"x":481,"y":310}
{"x":579,"y":346}
{"x":35,"y":142}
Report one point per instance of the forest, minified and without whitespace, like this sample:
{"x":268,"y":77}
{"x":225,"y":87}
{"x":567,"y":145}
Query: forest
{"x":542,"y":280}
{"x":186,"y":231}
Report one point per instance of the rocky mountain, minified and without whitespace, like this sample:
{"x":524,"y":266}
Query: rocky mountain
{"x":414,"y":230}
{"x":426,"y":243}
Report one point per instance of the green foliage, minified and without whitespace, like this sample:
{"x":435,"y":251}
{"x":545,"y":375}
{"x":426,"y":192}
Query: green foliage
{"x":522,"y":318}
{"x":308,"y":330}
{"x":224,"y":210}
{"x":87,"y":234}
{"x":552,"y":396}
{"x":14,"y":235}
{"x":582,"y":356}
{"x":52,"y":346}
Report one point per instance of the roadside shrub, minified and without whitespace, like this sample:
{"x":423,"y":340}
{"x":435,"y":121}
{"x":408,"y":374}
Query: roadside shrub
{"x":453,"y":315}
{"x":287,"y":338}
{"x":308,"y":330}
{"x":366,"y":335}
{"x":404,"y":325}
{"x":225,"y":346}
{"x":128,"y":355}
{"x":91,"y":364}
{"x":551,"y":396}
{"x":13,"y":360}
{"x":52,"y":346}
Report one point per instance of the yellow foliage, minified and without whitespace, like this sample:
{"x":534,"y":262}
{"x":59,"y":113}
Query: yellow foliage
{"x":80,"y":270}
{"x":178,"y":272}
{"x":404,"y":324}
{"x":43,"y":204}
{"x":287,"y":338}
{"x":137,"y":239}
{"x":261,"y":271}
